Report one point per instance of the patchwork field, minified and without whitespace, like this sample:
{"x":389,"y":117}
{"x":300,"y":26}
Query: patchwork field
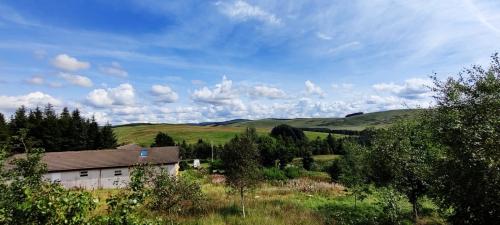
{"x":144,"y":134}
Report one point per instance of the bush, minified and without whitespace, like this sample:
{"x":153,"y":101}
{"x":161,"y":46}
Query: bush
{"x":216,"y":166}
{"x":173,"y":194}
{"x":343,"y":214}
{"x":292,"y":172}
{"x":273,"y":174}
{"x":183,"y":165}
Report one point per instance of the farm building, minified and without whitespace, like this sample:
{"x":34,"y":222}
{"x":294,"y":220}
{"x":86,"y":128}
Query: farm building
{"x":110,"y":168}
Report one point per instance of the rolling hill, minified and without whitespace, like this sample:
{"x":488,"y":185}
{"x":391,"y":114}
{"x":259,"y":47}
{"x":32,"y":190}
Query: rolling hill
{"x":221,"y":132}
{"x":359,"y":122}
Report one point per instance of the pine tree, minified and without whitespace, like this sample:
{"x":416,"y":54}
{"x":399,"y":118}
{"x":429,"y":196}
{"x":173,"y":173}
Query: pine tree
{"x":93,"y":136}
{"x":108,"y":137}
{"x":51,"y":133}
{"x":331,"y":143}
{"x":35,"y":127}
{"x":4,"y":130}
{"x":18,"y":121}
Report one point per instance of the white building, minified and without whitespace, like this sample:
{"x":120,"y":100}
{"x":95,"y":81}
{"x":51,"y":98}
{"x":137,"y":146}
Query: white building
{"x":93,"y":169}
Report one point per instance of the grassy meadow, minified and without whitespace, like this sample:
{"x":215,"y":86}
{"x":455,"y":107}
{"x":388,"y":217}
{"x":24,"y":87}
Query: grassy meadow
{"x":304,"y":201}
{"x":144,"y":134}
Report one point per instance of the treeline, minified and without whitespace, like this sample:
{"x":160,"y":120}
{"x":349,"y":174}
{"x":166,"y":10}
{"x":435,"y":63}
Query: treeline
{"x":67,"y":131}
{"x":333,"y":131}
{"x":276,"y":149}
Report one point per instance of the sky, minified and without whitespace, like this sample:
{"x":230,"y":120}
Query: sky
{"x":196,"y":61}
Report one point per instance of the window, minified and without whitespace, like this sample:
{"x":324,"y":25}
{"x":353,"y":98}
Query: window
{"x":84,"y":173}
{"x":144,"y":153}
{"x":118,"y":172}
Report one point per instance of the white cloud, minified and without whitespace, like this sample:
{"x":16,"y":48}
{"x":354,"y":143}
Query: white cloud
{"x":66,"y":62}
{"x":30,"y":100}
{"x":124,"y":94}
{"x":342,"y":87}
{"x":243,"y":11}
{"x":79,"y":80}
{"x":323,"y":36}
{"x":115,"y":69}
{"x":36,"y":80}
{"x":312,"y":89}
{"x":164,"y":93}
{"x":411,"y":89}
{"x":268,"y":92}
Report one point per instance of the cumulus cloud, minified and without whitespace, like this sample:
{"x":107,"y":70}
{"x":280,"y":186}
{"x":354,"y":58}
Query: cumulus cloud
{"x":313,"y":89}
{"x":79,"y":80}
{"x":124,"y":94}
{"x":30,"y":100}
{"x":414,"y":88}
{"x":164,"y":93}
{"x":222,"y":94}
{"x":35,"y":80}
{"x":342,"y":87}
{"x":268,"y":92}
{"x":115,"y":69}
{"x":241,"y":10}
{"x":68,"y":63}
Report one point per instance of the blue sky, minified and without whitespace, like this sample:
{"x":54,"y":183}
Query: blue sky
{"x":193,"y":61}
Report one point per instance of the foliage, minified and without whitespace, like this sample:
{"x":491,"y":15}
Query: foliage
{"x":287,"y":132}
{"x":240,"y":157}
{"x":273,"y":174}
{"x":171,"y":194}
{"x":466,"y":121}
{"x":216,"y":165}
{"x":267,"y":151}
{"x":25,"y":198}
{"x":403,"y":156}
{"x":52,"y":132}
{"x":292,"y":172}
{"x":392,"y":212}
{"x":162,"y":139}
{"x":307,"y":160}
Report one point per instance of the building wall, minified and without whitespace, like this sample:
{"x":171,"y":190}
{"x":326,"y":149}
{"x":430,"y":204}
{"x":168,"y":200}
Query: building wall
{"x":100,"y":178}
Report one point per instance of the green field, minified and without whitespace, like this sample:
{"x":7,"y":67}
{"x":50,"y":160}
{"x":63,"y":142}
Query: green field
{"x":376,"y":119}
{"x":144,"y":134}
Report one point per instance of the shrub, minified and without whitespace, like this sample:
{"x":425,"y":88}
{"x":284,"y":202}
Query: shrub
{"x":169,"y":194}
{"x":216,"y":166}
{"x":183,"y":165}
{"x":273,"y":174}
{"x":292,"y":172}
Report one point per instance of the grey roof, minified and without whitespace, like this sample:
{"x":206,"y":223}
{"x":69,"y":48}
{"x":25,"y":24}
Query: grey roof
{"x":106,"y":158}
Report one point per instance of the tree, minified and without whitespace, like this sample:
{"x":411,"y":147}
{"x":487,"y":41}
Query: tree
{"x":352,"y":170}
{"x":93,"y":136}
{"x":307,"y":160}
{"x":108,"y":137}
{"x":466,"y":120}
{"x":288,"y":132}
{"x":267,"y":151}
{"x":330,"y":140}
{"x":240,"y":160}
{"x":4,"y":130}
{"x":403,"y":156}
{"x":285,"y":150}
{"x":162,"y":139}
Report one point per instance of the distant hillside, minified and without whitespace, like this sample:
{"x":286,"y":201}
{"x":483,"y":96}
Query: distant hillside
{"x":357,"y":122}
{"x":221,"y":132}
